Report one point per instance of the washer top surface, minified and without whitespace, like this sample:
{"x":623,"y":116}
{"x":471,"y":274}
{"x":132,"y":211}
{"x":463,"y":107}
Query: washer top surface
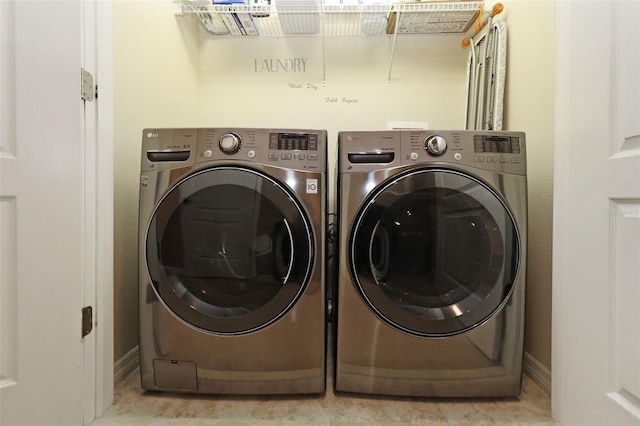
{"x":365,"y":151}
{"x":295,"y":149}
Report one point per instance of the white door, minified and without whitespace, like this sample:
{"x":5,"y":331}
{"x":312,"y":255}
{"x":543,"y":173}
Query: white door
{"x":596,"y":297}
{"x":44,"y":225}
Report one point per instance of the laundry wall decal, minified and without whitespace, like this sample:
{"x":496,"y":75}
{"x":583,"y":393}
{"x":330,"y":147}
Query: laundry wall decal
{"x":277,"y":65}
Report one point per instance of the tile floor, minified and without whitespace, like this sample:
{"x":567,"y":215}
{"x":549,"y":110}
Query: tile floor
{"x":133,"y":406}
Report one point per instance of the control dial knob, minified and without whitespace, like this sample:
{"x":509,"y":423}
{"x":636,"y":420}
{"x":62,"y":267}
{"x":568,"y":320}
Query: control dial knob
{"x":229,"y":143}
{"x":435,"y":145}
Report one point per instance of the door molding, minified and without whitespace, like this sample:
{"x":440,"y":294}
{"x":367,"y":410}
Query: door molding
{"x":562,"y":157}
{"x":104,"y":274}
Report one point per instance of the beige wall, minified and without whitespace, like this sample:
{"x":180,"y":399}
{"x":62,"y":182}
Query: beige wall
{"x":166,"y":77}
{"x":155,"y":84}
{"x":529,"y":106}
{"x":427,"y":84}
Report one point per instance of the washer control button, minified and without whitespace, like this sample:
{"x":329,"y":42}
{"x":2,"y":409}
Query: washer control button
{"x":414,"y":156}
{"x":457,"y":156}
{"x":435,"y":145}
{"x":208,"y":153}
{"x":229,"y":143}
{"x":251,"y":154}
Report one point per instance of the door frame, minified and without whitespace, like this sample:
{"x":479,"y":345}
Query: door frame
{"x":99,"y":191}
{"x":91,"y":149}
{"x":562,"y":159}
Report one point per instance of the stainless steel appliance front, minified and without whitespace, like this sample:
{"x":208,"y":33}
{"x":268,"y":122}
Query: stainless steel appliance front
{"x":432,"y":255}
{"x":232,"y":296}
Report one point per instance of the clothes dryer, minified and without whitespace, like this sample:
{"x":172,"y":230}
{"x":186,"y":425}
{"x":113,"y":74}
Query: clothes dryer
{"x":232,"y":242}
{"x":432,"y":255}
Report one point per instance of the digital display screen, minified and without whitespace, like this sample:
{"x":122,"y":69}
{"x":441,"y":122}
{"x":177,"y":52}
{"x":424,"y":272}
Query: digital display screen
{"x":497,"y":144}
{"x":293,"y":141}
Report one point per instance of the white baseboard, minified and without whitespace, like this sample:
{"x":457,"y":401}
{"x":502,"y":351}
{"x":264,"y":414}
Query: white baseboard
{"x":126,"y":365}
{"x":538,"y":372}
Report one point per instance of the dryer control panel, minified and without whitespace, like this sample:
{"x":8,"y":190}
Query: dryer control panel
{"x":488,"y":150}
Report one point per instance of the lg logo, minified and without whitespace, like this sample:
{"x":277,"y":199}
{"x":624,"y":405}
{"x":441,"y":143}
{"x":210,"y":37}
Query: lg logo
{"x":152,"y":135}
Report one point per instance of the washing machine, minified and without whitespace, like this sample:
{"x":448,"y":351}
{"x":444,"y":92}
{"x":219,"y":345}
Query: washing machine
{"x":432,"y":254}
{"x":232,"y":260}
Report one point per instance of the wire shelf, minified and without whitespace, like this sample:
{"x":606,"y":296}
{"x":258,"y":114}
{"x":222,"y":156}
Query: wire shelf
{"x":285,"y":18}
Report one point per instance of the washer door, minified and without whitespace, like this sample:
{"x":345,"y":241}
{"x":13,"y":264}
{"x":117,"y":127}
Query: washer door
{"x":434,"y":252}
{"x":229,"y":250}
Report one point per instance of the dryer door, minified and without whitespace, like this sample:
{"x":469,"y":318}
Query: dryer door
{"x":229,"y":250}
{"x":434,"y":252}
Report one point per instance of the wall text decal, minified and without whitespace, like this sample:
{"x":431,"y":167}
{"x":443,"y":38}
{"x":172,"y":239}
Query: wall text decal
{"x":303,"y":86}
{"x":334,"y":100}
{"x":273,"y":65}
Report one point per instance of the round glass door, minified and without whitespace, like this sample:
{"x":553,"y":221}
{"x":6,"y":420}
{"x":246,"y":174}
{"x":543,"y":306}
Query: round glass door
{"x":229,"y":250}
{"x":434,"y":252}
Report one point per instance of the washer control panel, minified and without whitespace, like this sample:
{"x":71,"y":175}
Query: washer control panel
{"x":168,"y":148}
{"x":290,"y":148}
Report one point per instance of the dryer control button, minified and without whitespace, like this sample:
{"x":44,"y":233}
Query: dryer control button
{"x":435,"y":145}
{"x":414,"y":156}
{"x":208,"y":153}
{"x":229,"y":143}
{"x":457,"y":156}
{"x":251,"y":154}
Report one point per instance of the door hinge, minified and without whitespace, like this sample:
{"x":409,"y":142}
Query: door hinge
{"x":87,"y":321}
{"x":87,"y":88}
